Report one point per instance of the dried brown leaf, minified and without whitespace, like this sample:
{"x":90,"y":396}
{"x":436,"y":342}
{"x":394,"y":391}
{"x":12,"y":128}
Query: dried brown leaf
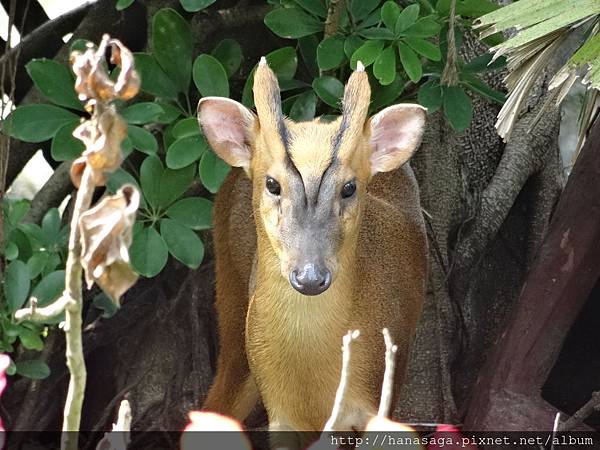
{"x":106,"y":233}
{"x":93,"y":83}
{"x":102,"y":136}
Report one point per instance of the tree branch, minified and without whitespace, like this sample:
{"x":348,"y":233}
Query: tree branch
{"x":73,"y":322}
{"x":523,"y":156}
{"x":583,"y":413}
{"x":44,"y":41}
{"x":334,"y":13}
{"x":35,"y":314}
{"x":51,"y":194}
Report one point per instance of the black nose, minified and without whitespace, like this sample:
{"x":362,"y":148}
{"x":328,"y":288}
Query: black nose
{"x":310,"y":280}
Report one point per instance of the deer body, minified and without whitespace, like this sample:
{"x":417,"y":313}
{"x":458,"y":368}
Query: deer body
{"x":291,"y":282}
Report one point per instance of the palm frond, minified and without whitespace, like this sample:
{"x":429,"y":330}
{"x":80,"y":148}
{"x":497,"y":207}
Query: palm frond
{"x":541,"y":27}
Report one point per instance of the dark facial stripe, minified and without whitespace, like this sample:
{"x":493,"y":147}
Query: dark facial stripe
{"x":336,"y":141}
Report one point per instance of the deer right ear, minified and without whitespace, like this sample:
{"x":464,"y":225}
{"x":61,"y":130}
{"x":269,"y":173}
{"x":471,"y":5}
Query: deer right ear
{"x":227,"y":126}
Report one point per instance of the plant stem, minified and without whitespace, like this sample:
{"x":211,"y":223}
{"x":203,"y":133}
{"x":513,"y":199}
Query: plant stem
{"x":73,"y":325}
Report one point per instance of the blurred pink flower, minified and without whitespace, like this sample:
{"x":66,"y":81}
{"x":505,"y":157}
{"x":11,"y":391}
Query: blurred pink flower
{"x":4,"y":363}
{"x":448,"y":437}
{"x":229,"y":432}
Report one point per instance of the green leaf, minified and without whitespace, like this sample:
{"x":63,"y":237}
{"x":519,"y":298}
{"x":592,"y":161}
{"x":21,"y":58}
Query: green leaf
{"x":163,"y":186}
{"x":389,"y":14}
{"x":31,"y":339}
{"x":194,"y":212}
{"x":148,"y":252}
{"x":373,"y":19}
{"x":351,"y":44}
{"x":423,"y":28}
{"x":16,"y":285}
{"x":51,"y":226}
{"x":292,"y":23}
{"x":50,"y":288}
{"x":386,"y":95}
{"x":362,"y":8}
{"x":182,"y":243}
{"x":406,"y":19}
{"x":316,"y":7}
{"x":457,"y":107}
{"x":366,"y":53}
{"x":329,"y":89}
{"x":283,"y":62}
{"x":213,"y":171}
{"x":384,"y":68}
{"x":123,"y":4}
{"x":304,"y":107}
{"x":142,"y":113}
{"x":185,"y":151}
{"x":15,"y":210}
{"x":170,"y":112}
{"x":430,"y":96}
{"x":11,"y":251}
{"x":210,"y":77}
{"x":55,"y":82}
{"x":196,"y":5}
{"x":410,"y":62}
{"x":142,"y":139}
{"x":37,"y":123}
{"x":66,"y":147}
{"x":172,"y":46}
{"x":481,"y":88}
{"x":186,"y":127}
{"x":308,"y":49}
{"x":33,"y":368}
{"x":36,"y":263}
{"x":484,"y":63}
{"x":377,"y":33}
{"x":425,"y":48}
{"x":330,"y":53}
{"x":154,"y":79}
{"x":229,"y":54}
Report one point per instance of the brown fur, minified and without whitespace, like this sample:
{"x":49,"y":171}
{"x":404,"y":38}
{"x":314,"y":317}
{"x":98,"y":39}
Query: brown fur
{"x":284,"y":346}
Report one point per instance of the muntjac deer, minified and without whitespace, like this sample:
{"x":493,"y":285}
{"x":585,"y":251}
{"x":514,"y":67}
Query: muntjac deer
{"x":334,"y":245}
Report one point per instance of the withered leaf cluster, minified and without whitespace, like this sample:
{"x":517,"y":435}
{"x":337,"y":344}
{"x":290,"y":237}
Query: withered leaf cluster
{"x":106,"y":229}
{"x":93,"y":83}
{"x":104,"y":132}
{"x":106,"y":233}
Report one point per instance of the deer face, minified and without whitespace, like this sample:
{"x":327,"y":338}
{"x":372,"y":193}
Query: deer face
{"x":310,"y":178}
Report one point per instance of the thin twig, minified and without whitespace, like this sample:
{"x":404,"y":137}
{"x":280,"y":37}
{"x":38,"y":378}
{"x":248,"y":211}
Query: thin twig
{"x":119,"y":437}
{"x":35,"y":314}
{"x":73,"y":323}
{"x":583,"y":413}
{"x":341,"y":390}
{"x":388,"y":377}
{"x":555,"y":429}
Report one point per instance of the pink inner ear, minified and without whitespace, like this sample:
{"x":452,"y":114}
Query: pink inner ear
{"x":225,"y":124}
{"x":395,"y":134}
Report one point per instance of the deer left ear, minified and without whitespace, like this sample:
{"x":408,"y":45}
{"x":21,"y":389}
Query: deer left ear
{"x":395,"y":135}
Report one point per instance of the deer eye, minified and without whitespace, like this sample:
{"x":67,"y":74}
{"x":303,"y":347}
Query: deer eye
{"x":273,"y":186}
{"x":349,"y":189}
